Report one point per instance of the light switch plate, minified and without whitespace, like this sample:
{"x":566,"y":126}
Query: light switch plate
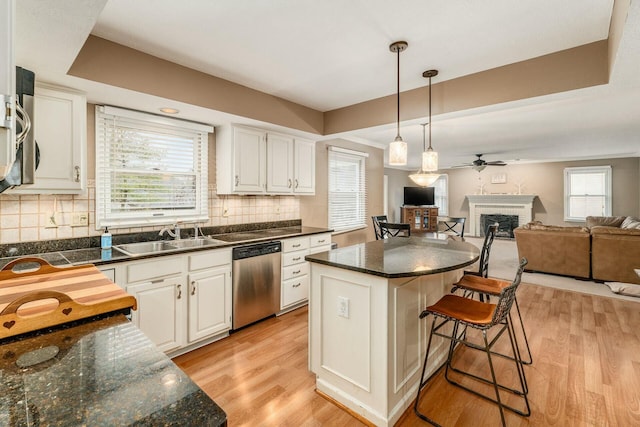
{"x":80,"y":219}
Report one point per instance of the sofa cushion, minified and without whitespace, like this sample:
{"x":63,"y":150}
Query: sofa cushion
{"x":537,"y":225}
{"x":608,"y":221}
{"x":630,"y":222}
{"x":601,"y":230}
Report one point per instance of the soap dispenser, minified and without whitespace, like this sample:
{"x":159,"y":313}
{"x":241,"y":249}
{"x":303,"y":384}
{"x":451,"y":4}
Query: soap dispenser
{"x":105,"y":239}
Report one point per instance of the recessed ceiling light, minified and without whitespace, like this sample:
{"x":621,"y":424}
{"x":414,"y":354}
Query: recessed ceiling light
{"x":169,"y":110}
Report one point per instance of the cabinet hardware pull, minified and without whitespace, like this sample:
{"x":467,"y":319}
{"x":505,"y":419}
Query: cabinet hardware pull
{"x":296,"y":246}
{"x":237,"y":180}
{"x":321,"y":241}
{"x":295,"y":259}
{"x":77,"y":169}
{"x":296,"y":285}
{"x":296,"y":182}
{"x":296,"y":272}
{"x":193,"y":287}
{"x":179,"y":291}
{"x":289,"y":184}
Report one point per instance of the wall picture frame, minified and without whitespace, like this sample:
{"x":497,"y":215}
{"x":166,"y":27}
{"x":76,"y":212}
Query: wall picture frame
{"x":499,"y":178}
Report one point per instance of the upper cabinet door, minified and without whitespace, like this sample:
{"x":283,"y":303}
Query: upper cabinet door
{"x":279,"y":163}
{"x":304,"y":178}
{"x":60,"y":130}
{"x":249,"y":153}
{"x":7,"y":87}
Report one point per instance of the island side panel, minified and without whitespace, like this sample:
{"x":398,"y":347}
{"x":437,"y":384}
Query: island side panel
{"x":370,"y":361}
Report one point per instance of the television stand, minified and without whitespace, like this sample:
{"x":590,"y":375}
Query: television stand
{"x":421,"y":218}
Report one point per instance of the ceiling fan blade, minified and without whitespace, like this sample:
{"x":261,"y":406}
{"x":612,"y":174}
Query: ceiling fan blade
{"x":464,"y":165}
{"x":496,"y":163}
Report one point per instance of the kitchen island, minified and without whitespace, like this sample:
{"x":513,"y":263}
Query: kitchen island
{"x":366,"y":342}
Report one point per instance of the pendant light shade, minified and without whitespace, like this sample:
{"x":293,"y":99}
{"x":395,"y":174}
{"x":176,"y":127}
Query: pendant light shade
{"x":398,"y":148}
{"x":425,"y":176}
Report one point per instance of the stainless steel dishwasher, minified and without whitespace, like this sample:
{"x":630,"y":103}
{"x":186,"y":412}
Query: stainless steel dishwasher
{"x":256,"y":282}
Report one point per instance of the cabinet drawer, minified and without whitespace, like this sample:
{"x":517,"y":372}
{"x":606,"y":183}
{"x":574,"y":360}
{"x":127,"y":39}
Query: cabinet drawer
{"x":149,"y":270}
{"x":320,"y":239}
{"x":295,"y":290}
{"x":296,"y":244}
{"x":295,"y":270}
{"x":291,"y":258}
{"x":209,"y":259}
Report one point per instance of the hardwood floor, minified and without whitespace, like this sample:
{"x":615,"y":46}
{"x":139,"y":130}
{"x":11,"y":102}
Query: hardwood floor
{"x":586,"y":370}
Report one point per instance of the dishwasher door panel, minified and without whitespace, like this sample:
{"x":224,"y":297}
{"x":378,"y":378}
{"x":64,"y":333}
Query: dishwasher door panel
{"x":256,"y":288}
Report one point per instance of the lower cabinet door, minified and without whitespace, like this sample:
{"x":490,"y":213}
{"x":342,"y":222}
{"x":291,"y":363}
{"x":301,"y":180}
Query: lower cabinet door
{"x":161,"y":311}
{"x":209,"y":302}
{"x":295,"y":290}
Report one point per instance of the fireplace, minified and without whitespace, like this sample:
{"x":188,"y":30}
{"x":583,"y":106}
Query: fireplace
{"x":520,"y":205}
{"x":506,"y":224}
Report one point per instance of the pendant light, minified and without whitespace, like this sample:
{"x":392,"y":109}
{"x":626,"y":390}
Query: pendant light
{"x":398,"y":148}
{"x":424,"y":177}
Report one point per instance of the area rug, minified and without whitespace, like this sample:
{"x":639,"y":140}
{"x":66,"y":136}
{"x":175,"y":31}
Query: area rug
{"x":503,"y":264}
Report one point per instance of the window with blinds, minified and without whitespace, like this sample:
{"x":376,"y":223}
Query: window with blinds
{"x":149,"y":169}
{"x":587,"y":192}
{"x":441,"y":194}
{"x":347,"y":189}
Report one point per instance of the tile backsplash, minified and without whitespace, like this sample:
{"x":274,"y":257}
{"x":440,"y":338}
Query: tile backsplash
{"x":25,"y":218}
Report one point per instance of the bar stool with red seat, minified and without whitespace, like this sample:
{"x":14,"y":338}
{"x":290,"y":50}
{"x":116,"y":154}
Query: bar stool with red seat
{"x":482,"y":316}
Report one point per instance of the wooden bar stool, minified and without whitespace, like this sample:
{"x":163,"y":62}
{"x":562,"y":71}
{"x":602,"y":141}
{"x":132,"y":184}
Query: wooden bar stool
{"x":473,"y":283}
{"x":482,"y":316}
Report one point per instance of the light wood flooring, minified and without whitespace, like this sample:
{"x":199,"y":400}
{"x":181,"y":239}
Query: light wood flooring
{"x":586,"y":370}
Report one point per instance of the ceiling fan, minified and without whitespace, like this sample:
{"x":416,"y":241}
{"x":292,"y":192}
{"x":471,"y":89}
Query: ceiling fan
{"x":479,"y":164}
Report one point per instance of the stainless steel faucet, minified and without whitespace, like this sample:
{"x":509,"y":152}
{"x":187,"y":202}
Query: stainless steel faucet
{"x":175,"y":233}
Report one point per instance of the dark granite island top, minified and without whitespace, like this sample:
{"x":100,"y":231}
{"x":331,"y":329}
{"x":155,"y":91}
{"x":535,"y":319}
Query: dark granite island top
{"x":401,"y":256}
{"x":99,"y":372}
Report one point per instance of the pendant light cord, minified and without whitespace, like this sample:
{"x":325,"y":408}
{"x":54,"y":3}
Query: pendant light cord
{"x":398,"y":96}
{"x":430,"y":113}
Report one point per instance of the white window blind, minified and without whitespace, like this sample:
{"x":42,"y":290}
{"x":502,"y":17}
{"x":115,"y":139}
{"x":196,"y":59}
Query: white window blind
{"x":587,"y":192}
{"x":149,"y":169}
{"x":347,"y":189}
{"x":441,"y":192}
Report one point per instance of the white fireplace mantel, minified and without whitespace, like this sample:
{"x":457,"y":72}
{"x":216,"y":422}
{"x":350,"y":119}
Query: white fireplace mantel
{"x":506,"y":204}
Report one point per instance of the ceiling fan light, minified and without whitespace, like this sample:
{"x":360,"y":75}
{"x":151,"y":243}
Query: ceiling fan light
{"x":479,"y":168}
{"x":430,"y":161}
{"x":398,"y":152}
{"x":424,"y":179}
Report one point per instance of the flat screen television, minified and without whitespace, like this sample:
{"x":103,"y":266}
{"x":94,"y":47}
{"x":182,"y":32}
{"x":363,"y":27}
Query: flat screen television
{"x":419,"y":196}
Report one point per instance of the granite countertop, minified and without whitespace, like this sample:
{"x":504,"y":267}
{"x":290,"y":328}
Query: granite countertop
{"x":103,"y":371}
{"x":96,"y":256}
{"x":401,"y":256}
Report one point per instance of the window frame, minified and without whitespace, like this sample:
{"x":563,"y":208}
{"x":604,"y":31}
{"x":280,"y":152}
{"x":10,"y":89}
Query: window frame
{"x":442,"y":210}
{"x":569,"y":172}
{"x":111,"y":120}
{"x":359,"y":158}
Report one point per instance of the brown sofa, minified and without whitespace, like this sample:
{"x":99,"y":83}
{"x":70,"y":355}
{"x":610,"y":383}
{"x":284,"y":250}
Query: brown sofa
{"x":607,"y":249}
{"x":615,"y":250}
{"x":553,"y":249}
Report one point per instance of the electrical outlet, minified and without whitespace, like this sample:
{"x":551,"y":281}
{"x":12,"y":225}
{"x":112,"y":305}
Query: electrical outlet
{"x":343,"y":307}
{"x":80,"y":219}
{"x":51,"y":221}
{"x":225,"y":212}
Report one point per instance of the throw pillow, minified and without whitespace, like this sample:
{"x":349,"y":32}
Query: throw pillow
{"x":620,"y":288}
{"x":630,"y":222}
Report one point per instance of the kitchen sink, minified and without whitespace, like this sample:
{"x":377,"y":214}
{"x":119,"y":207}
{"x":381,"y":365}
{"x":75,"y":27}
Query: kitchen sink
{"x":147,"y":248}
{"x":194,"y":243}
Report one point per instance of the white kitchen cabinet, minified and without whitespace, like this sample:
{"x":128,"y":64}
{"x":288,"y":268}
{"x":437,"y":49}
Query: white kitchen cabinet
{"x":279,"y":163}
{"x":7,"y":86}
{"x":254,"y":161}
{"x":184,"y":300}
{"x":304,"y":167}
{"x":60,"y":130}
{"x":161,"y":311}
{"x":294,"y":290}
{"x":210,"y":298}
{"x":241,"y":160}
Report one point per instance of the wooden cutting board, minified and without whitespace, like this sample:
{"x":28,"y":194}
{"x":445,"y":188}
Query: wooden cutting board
{"x":49,"y":295}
